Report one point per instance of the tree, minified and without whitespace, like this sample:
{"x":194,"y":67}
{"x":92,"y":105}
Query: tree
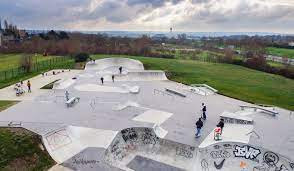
{"x":26,"y":62}
{"x":82,"y":57}
{"x":228,"y":55}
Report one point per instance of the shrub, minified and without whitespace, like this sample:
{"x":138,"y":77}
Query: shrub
{"x":81,"y":57}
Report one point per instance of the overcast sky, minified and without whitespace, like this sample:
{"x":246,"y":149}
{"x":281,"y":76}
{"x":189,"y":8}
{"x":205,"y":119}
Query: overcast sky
{"x":152,"y":15}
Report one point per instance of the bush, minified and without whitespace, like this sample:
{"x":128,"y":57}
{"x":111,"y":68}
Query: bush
{"x":81,"y":57}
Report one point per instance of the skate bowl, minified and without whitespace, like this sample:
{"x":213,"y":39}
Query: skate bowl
{"x":115,"y":62}
{"x":133,"y":144}
{"x":139,"y":76}
{"x":142,"y":149}
{"x":63,"y":84}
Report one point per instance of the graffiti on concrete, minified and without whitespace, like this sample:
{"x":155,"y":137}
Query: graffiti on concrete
{"x":228,"y":146}
{"x":149,"y":138}
{"x":282,"y":168}
{"x":216,"y":147}
{"x":220,"y":165}
{"x":265,"y":167}
{"x":246,"y":152}
{"x":129,"y":134}
{"x":220,"y":154}
{"x":203,"y":150}
{"x":291,"y":165}
{"x":187,"y":153}
{"x":204,"y":165}
{"x":270,"y":158}
{"x":85,"y":162}
{"x":117,"y":151}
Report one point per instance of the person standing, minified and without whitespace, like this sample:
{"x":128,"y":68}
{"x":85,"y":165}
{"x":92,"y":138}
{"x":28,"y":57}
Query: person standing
{"x":120,"y":70}
{"x":204,"y":111}
{"x":221,"y":124}
{"x":199,"y":125}
{"x":66,"y":95}
{"x":112,"y":78}
{"x":29,"y":86}
{"x":102,"y":80}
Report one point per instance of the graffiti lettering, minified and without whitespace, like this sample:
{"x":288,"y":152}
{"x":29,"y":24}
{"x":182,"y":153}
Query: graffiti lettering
{"x":220,"y":154}
{"x":184,"y":152}
{"x":291,"y":165}
{"x":216,"y":147}
{"x":246,"y":152}
{"x":129,"y":134}
{"x":149,"y":138}
{"x":117,"y":151}
{"x":204,"y":165}
{"x":85,"y":162}
{"x":270,"y":158}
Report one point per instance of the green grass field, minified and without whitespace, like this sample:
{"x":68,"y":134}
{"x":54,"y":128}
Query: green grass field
{"x":20,"y":148}
{"x":20,"y":151}
{"x":8,"y":61}
{"x":289,"y":53}
{"x":6,"y":104}
{"x":231,"y":80}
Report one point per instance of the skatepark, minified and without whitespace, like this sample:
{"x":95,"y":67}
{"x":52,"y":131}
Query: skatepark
{"x":143,"y":121}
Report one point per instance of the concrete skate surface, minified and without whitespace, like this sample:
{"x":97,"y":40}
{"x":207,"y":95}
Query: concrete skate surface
{"x":113,"y":128}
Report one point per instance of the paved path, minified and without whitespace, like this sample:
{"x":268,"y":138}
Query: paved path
{"x":37,"y":82}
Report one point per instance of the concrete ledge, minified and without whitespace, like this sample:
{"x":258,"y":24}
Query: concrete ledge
{"x":175,"y":92}
{"x":263,"y":109}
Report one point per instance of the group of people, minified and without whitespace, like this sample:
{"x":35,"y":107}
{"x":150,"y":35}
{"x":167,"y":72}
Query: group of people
{"x":200,"y":124}
{"x":112,"y":77}
{"x":19,"y":88}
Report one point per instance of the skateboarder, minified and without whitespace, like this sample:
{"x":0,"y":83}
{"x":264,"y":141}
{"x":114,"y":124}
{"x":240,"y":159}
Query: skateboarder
{"x":29,"y":86}
{"x":199,"y":125}
{"x":66,"y":95}
{"x":102,"y":80}
{"x":120,"y":70}
{"x":221,"y":124}
{"x":204,"y":111}
{"x":112,"y":78}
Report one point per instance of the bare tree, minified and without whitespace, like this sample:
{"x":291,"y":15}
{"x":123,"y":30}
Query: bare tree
{"x":26,"y":62}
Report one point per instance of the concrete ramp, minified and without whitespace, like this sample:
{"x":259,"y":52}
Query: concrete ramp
{"x":126,"y":63}
{"x":64,"y":143}
{"x":203,"y":89}
{"x":142,"y":76}
{"x":63,"y":84}
{"x":140,"y":148}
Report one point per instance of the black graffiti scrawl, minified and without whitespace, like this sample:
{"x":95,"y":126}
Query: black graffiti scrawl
{"x":220,"y":165}
{"x":246,"y":152}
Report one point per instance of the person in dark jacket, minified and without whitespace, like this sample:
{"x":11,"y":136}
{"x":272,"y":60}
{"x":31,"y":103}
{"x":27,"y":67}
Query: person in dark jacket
{"x":120,"y":70}
{"x":112,"y":78}
{"x":204,"y":111}
{"x":199,"y":125}
{"x":102,"y":80}
{"x":221,"y":124}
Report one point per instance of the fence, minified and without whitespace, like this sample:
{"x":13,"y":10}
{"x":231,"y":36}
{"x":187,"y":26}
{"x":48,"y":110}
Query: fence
{"x":52,"y":63}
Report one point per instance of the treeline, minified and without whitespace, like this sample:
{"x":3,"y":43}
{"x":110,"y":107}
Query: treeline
{"x":62,"y":43}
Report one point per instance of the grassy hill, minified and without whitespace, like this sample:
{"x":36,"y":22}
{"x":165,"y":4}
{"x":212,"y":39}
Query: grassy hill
{"x":231,"y":80}
{"x":289,"y":53}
